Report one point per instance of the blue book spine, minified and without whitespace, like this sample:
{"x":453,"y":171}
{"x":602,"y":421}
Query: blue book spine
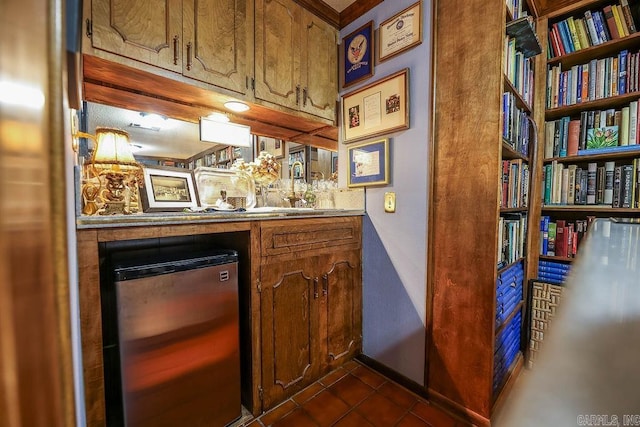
{"x":601,"y":27}
{"x":579,"y":86}
{"x":615,"y":149}
{"x":561,"y":87}
{"x":551,"y":276}
{"x":553,"y":270}
{"x":544,"y":235}
{"x":553,"y":264}
{"x":622,"y":72}
{"x":566,"y":36}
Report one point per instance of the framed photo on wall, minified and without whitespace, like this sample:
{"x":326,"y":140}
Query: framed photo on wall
{"x":368,"y":163}
{"x":168,"y":189}
{"x":358,"y":50}
{"x":401,"y":32}
{"x":379,"y":108}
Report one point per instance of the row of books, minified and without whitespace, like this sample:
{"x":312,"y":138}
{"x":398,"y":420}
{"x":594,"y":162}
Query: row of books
{"x":509,"y":291}
{"x":515,"y":125}
{"x":515,"y":8}
{"x":597,"y":79}
{"x":553,"y":272}
{"x":594,"y":132}
{"x":606,"y":184}
{"x":575,"y":33}
{"x":512,"y":229}
{"x":514,"y":191}
{"x":518,"y":69}
{"x":507,"y":347}
{"x":572,"y":235}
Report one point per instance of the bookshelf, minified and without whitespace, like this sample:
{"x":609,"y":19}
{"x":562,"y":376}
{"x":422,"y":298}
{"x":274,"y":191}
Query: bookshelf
{"x":596,"y":86}
{"x":483,"y":97}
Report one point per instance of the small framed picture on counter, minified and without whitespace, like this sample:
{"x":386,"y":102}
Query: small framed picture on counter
{"x":369,"y":163}
{"x":401,"y":32}
{"x":379,"y":108}
{"x":168,"y":189}
{"x":358,"y":55}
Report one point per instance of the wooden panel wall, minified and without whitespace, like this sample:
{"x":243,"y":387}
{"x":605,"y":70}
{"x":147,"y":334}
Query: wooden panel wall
{"x":464,"y":208}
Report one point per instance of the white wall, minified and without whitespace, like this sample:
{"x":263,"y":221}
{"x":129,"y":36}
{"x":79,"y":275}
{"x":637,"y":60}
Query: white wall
{"x":394,"y":244}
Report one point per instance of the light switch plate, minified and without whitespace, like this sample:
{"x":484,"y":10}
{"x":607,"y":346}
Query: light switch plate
{"x":390,"y":201}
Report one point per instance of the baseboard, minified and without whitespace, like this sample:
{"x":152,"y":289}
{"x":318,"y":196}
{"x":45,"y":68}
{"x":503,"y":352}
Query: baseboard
{"x":450,"y":407}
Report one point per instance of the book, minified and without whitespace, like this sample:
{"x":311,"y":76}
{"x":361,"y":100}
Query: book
{"x":617,"y":176}
{"x":591,"y":183}
{"x":613,"y":149}
{"x":619,"y":24}
{"x":628,"y":16}
{"x":573,"y":137}
{"x":556,"y":264}
{"x":583,"y":33}
{"x":601,"y":137}
{"x":549,"y":132}
{"x":624,"y":127}
{"x":593,"y":33}
{"x":551,"y":241}
{"x":600,"y":176}
{"x":626,"y":186}
{"x":609,"y":168}
{"x":611,"y":22}
{"x":571,"y":195}
{"x":544,"y":234}
{"x":633,"y":123}
{"x":561,"y":238}
{"x":564,"y":189}
{"x":573,"y":33}
{"x":601,"y":26}
{"x":565,"y":35}
{"x":622,"y":72}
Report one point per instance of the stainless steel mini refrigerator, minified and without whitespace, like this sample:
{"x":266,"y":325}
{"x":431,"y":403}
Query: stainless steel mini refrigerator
{"x":178,"y":339}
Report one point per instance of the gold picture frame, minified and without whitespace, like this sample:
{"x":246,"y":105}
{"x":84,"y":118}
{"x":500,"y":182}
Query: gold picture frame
{"x":368,"y":163}
{"x":400,"y":33}
{"x":377,"y":109}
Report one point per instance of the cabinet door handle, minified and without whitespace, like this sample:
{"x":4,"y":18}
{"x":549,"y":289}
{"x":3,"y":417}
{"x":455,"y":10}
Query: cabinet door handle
{"x":325,"y":285}
{"x":304,"y":97}
{"x":315,"y":288}
{"x":175,"y":49}
{"x":189,"y":56}
{"x":298,"y":94}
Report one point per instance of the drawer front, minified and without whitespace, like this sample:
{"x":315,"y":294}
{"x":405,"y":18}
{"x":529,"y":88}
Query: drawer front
{"x":296,"y":237}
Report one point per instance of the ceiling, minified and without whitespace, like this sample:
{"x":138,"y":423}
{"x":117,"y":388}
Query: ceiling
{"x":339,"y":5}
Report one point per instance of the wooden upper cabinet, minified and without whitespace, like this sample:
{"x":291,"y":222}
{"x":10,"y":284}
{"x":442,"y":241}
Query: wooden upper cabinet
{"x":144,"y":30}
{"x":277,"y":52}
{"x":319,"y":66}
{"x":218,"y":37}
{"x":296,"y":58}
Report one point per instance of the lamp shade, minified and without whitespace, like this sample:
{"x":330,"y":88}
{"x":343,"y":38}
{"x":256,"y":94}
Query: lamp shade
{"x":113,"y":150}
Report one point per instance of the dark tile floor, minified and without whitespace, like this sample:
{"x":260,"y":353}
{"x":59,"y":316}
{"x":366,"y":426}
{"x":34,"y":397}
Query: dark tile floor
{"x":355,"y":396}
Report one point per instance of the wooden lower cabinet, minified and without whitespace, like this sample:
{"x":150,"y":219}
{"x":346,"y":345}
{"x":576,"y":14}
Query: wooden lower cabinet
{"x":311,"y":318}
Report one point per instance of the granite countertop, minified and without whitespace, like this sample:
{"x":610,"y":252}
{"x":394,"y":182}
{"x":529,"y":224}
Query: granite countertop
{"x":172,"y":218}
{"x":587,"y":371}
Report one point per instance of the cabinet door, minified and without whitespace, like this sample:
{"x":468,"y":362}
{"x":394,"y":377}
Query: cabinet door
{"x":144,"y":30}
{"x":319,"y":65}
{"x":277,"y":52}
{"x":341,"y":288}
{"x":290,"y":329}
{"x":218,"y":36}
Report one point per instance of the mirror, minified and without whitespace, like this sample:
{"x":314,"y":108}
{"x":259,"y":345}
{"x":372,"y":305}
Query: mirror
{"x":170,"y":142}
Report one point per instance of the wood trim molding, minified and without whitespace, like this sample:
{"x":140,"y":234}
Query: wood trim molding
{"x":322,"y":10}
{"x":356,"y":10}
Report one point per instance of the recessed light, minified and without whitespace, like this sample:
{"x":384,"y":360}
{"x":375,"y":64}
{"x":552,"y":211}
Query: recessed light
{"x":236,"y":106}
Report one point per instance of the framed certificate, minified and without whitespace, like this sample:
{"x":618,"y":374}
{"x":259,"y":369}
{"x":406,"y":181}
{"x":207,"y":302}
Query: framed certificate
{"x":358,"y":55}
{"x":376,"y":109}
{"x":401,"y":32}
{"x":369,"y":163}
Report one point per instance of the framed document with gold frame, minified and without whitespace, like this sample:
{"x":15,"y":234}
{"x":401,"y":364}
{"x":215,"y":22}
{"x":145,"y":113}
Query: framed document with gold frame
{"x":401,"y":32}
{"x":368,"y":163}
{"x":379,"y":108}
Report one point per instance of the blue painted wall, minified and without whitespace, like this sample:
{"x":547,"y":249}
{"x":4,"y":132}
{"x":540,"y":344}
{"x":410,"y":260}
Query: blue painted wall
{"x":394,"y":244}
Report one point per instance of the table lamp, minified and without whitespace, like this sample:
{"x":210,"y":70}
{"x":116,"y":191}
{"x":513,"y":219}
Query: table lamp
{"x":113,"y":159}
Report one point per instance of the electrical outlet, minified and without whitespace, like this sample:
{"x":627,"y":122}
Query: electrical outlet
{"x":390,"y":201}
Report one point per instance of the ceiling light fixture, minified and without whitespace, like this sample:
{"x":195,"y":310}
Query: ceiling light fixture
{"x":236,"y":106}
